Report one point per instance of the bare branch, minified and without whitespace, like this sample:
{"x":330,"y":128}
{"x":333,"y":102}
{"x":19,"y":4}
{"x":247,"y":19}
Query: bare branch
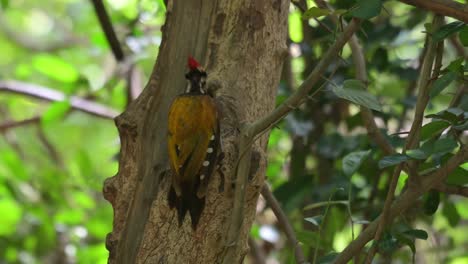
{"x":413,"y":137}
{"x":442,"y":7}
{"x":49,"y":94}
{"x":297,"y":98}
{"x":249,"y":132}
{"x":452,"y":189}
{"x":12,"y":124}
{"x":257,"y":253}
{"x":284,"y":222}
{"x":108,"y":30}
{"x":361,"y":74}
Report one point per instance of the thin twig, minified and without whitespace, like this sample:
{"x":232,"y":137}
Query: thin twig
{"x":257,"y":253}
{"x":413,"y":137}
{"x":442,"y":7}
{"x":284,"y":222}
{"x":108,"y":30}
{"x":249,"y":132}
{"x":48,"y":94}
{"x":452,"y":189}
{"x":51,"y":149}
{"x":13,"y":124}
{"x":294,"y":100}
{"x":361,"y":74}
{"x":384,"y":219}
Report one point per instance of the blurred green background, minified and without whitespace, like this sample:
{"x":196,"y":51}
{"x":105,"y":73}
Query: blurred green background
{"x":54,"y":157}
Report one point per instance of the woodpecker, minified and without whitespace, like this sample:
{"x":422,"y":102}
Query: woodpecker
{"x":193,"y":142}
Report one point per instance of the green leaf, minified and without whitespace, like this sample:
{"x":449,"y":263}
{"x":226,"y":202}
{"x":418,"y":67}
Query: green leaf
{"x":315,"y":12}
{"x":453,"y":115}
{"x":387,"y":243}
{"x":4,"y":4}
{"x":55,"y":68}
{"x":406,"y":241}
{"x":451,"y":213}
{"x":417,"y":154}
{"x":464,"y":36}
{"x":328,"y":259}
{"x":459,"y":176}
{"x":11,"y":216}
{"x":70,"y":216}
{"x":309,"y":238}
{"x":392,"y":160}
{"x":316,"y":220}
{"x":433,"y":128}
{"x":447,"y":30}
{"x":431,"y":202}
{"x":367,"y":9}
{"x":55,"y":112}
{"x":440,"y":147}
{"x":359,"y":97}
{"x":444,"y":145}
{"x":456,"y":65}
{"x":441,"y":83}
{"x":463,"y":126}
{"x":354,"y":84}
{"x":417,"y":233}
{"x":162,"y":4}
{"x":295,"y":27}
{"x":353,"y":160}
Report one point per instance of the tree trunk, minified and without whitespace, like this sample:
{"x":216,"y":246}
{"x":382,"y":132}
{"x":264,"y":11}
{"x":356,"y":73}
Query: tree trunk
{"x":242,"y":44}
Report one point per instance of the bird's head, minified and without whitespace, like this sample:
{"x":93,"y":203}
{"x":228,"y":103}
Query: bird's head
{"x":196,"y":77}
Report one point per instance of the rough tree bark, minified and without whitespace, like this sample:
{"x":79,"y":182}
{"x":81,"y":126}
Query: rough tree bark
{"x":242,"y":44}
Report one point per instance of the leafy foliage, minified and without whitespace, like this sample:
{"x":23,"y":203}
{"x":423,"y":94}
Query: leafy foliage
{"x":52,"y":167}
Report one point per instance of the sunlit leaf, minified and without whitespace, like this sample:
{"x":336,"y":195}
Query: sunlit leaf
{"x":295,"y":27}
{"x":11,"y":216}
{"x":4,"y":4}
{"x":315,"y":12}
{"x":55,"y":112}
{"x":162,"y":4}
{"x":316,"y":220}
{"x":55,"y":68}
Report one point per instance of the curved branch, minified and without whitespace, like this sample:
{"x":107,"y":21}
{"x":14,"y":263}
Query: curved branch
{"x":284,"y":222}
{"x":48,"y":94}
{"x":298,"y":97}
{"x":12,"y":124}
{"x":249,"y":132}
{"x":108,"y":29}
{"x":442,"y":7}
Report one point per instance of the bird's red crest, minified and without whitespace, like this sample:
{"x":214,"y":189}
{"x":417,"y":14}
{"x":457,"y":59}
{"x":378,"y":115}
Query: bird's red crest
{"x":192,"y":63}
